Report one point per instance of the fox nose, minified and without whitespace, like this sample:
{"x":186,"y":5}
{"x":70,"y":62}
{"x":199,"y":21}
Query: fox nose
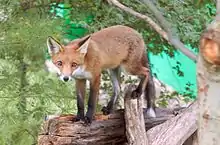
{"x":66,"y":79}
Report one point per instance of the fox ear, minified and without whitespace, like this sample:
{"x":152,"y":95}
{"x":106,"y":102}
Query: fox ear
{"x":53,"y":46}
{"x":83,"y":45}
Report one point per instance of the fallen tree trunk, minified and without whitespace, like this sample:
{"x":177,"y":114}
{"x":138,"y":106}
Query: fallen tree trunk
{"x":62,"y":131}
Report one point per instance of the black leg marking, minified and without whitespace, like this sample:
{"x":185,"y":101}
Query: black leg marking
{"x":150,"y":94}
{"x":138,"y":91}
{"x":80,"y":93}
{"x":93,"y":94}
{"x":91,"y":107}
{"x":115,"y":78}
{"x":80,"y":106}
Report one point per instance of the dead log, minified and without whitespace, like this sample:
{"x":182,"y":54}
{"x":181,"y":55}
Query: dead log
{"x":134,"y":118}
{"x":176,"y":130}
{"x":103,"y":131}
{"x":170,"y":127}
{"x":191,"y":139}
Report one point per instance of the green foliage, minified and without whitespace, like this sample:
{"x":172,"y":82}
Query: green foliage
{"x":28,"y":94}
{"x":23,"y":41}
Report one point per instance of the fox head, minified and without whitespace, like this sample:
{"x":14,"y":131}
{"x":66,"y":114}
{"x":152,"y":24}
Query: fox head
{"x":68,"y":61}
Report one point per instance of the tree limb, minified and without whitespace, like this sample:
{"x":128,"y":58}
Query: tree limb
{"x":172,"y":35}
{"x":217,"y":10}
{"x":172,"y":39}
{"x":176,"y":130}
{"x":154,"y":25}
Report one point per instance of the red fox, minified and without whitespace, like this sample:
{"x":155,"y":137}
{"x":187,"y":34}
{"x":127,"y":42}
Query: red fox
{"x":111,"y":48}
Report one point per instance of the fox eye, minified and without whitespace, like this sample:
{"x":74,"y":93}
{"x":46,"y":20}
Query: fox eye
{"x":59,"y":63}
{"x":74,"y":64}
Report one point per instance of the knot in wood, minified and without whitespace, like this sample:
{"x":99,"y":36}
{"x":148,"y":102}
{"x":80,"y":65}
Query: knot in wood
{"x":210,"y":46}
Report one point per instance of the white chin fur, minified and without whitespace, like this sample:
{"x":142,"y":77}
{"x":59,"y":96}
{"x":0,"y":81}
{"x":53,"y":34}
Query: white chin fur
{"x":51,"y":67}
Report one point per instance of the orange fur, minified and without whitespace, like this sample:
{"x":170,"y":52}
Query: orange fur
{"x":108,"y":49}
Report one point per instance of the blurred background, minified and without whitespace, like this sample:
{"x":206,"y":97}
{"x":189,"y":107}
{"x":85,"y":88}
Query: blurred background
{"x":28,"y":93}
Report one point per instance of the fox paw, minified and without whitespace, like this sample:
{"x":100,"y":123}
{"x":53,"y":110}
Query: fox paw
{"x":78,"y":118}
{"x":105,"y":110}
{"x":87,"y":121}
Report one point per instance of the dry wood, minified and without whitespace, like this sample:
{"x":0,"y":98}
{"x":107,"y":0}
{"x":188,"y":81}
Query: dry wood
{"x":217,"y":10}
{"x":176,"y":130}
{"x":191,"y":139}
{"x":208,"y":78}
{"x":62,"y":131}
{"x":169,"y":129}
{"x":134,"y":118}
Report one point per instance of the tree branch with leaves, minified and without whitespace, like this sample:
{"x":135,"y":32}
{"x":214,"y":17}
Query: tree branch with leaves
{"x":166,"y":32}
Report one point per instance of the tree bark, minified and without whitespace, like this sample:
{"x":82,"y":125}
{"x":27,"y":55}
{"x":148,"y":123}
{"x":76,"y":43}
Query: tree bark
{"x":134,"y":118}
{"x":168,"y":35}
{"x":217,"y":10}
{"x":208,"y":78}
{"x":190,"y":140}
{"x":176,"y":130}
{"x":103,"y":131}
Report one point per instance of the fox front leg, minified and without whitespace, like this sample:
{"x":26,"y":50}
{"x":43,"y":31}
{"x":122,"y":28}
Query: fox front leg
{"x":93,"y":95}
{"x":80,"y":93}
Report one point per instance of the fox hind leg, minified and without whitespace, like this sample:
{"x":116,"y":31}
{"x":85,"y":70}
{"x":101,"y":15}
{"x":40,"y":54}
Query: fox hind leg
{"x":150,"y":96}
{"x":146,"y":85}
{"x":150,"y":92}
{"x":143,"y":83}
{"x":115,"y":78}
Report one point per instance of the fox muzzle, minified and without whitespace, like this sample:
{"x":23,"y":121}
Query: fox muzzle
{"x":65,"y":78}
